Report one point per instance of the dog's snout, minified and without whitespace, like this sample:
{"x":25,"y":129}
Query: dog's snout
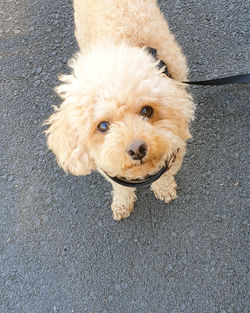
{"x":137,"y":150}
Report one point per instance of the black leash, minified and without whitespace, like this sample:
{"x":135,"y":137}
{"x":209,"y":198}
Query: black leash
{"x":236,"y":79}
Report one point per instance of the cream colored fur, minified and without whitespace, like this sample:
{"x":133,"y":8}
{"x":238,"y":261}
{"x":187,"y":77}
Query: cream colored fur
{"x":113,"y":78}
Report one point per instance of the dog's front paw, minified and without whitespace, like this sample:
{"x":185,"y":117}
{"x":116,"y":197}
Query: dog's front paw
{"x":120,"y":213}
{"x":123,"y":202}
{"x":166,"y":195}
{"x":165,"y":192}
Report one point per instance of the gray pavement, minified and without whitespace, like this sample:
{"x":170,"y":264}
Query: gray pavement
{"x":60,"y":250}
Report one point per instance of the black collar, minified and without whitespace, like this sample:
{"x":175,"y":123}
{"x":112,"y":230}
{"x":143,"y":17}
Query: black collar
{"x":148,"y":180}
{"x":137,"y":182}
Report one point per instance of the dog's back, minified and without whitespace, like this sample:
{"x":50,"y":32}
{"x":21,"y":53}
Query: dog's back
{"x":138,"y":23}
{"x":130,"y":20}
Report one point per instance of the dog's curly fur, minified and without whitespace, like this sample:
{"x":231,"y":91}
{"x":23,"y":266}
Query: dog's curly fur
{"x":113,"y":78}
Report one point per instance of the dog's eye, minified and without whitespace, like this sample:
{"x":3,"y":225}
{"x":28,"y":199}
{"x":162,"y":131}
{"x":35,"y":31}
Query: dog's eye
{"x":147,"y":111}
{"x":103,"y":127}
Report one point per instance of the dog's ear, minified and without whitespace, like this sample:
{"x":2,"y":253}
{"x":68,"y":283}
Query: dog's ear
{"x":68,"y":131}
{"x":184,"y":109}
{"x":183,"y":129}
{"x":178,"y":110}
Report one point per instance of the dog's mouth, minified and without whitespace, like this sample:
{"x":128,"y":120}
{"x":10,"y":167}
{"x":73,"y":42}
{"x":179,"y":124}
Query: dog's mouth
{"x":148,"y":179}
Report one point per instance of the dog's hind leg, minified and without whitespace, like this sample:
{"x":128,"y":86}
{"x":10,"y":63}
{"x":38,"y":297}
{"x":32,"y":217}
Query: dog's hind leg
{"x":123,"y":201}
{"x":158,"y":36}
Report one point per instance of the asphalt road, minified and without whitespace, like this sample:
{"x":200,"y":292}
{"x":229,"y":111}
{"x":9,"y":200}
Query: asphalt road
{"x":60,"y":249}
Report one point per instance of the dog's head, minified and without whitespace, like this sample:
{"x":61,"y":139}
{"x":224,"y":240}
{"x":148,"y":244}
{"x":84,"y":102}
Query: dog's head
{"x":119,"y":114}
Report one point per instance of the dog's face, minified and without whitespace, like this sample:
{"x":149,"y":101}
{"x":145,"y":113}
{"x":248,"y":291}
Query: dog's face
{"x":120,"y":114}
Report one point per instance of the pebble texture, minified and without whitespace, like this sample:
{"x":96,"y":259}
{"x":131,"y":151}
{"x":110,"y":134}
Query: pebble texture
{"x":60,"y":250}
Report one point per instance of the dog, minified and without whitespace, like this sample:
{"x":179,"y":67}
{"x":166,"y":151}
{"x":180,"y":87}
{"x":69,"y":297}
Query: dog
{"x":120,"y":114}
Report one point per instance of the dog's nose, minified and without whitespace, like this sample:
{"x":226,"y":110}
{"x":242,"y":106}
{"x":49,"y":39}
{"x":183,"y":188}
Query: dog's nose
{"x":137,"y":150}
